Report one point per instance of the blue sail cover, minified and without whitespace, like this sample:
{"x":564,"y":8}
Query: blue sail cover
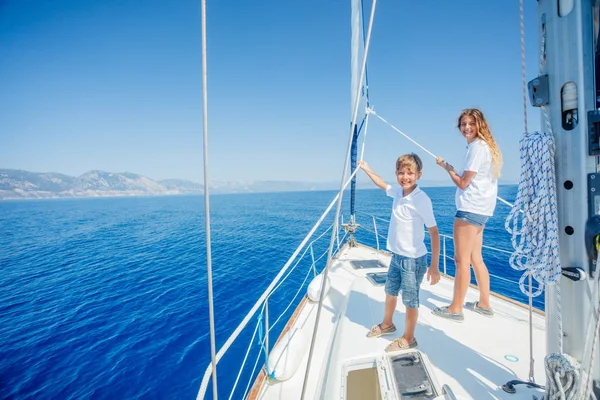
{"x":358,"y":91}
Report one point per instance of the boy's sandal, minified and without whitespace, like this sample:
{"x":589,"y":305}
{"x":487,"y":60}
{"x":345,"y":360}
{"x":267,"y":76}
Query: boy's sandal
{"x":377,"y":331}
{"x":474,"y":306}
{"x":401,"y":344}
{"x":444,"y":313}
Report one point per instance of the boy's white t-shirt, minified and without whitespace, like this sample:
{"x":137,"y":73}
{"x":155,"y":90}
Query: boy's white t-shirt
{"x":409,"y":214}
{"x":480,"y":196}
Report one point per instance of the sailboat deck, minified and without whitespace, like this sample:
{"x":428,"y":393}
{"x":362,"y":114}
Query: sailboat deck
{"x":475,"y":358}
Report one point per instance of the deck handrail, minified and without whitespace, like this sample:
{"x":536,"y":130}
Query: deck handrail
{"x":441,"y":234}
{"x":443,"y":250}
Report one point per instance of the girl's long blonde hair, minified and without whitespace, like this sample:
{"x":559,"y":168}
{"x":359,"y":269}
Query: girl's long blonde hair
{"x":484,"y":133}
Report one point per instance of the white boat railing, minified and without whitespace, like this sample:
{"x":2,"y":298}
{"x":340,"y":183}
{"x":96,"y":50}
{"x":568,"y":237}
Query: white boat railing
{"x":264,"y":342}
{"x":263,"y":327}
{"x":443,"y":252}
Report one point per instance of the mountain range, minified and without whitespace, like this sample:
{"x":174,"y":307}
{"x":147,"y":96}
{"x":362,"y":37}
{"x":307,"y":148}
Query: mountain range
{"x":19,"y":184}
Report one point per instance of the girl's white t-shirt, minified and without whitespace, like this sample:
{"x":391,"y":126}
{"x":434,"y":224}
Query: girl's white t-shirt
{"x":480,"y":196}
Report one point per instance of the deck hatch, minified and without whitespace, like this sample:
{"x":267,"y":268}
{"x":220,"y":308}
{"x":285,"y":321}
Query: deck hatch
{"x":362,"y":379}
{"x":377,"y":278}
{"x":367,"y":264}
{"x":411,"y":376}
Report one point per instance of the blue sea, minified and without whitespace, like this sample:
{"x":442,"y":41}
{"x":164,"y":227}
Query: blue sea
{"x":107,"y":298}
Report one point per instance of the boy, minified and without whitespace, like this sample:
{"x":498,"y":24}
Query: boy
{"x":411,"y":210}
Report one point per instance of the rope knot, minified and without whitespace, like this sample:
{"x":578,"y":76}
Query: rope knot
{"x":562,"y":377}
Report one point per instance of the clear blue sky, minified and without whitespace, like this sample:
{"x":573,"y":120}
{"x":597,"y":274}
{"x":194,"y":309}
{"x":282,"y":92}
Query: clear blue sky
{"x":116,"y":85}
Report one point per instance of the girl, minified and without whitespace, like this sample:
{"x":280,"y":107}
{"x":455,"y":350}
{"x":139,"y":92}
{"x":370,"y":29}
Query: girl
{"x":477,"y":188}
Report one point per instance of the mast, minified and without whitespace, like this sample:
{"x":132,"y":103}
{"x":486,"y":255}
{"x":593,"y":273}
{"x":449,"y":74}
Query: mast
{"x":566,"y":84}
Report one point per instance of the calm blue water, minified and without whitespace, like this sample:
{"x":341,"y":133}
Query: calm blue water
{"x":107,"y":298}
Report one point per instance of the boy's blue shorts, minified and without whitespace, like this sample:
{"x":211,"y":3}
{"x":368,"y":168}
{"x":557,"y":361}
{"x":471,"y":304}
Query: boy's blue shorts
{"x":406,"y":274}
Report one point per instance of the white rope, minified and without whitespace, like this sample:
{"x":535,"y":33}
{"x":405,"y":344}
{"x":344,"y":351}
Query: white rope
{"x":297,"y":292}
{"x":309,"y":246}
{"x":506,"y":202}
{"x":523,"y":74}
{"x":244,"y":361}
{"x":250,"y":379}
{"x":588,"y":372}
{"x":562,"y":377}
{"x":362,"y":151}
{"x":591,"y":340}
{"x":542,"y":66}
{"x":371,"y":111}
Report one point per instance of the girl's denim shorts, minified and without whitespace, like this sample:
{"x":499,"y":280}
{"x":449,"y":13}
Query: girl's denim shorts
{"x":472,"y":218}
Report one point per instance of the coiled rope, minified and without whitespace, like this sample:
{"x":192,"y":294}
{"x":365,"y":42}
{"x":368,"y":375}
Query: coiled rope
{"x":534,"y":233}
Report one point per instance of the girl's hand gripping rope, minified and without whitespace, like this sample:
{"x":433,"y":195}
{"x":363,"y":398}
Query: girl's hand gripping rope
{"x":440,"y":161}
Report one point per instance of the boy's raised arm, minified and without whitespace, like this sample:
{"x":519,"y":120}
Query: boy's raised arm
{"x":374,"y":177}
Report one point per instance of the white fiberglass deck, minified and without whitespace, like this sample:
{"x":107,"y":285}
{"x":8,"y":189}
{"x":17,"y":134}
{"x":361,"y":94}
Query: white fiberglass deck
{"x":475,"y":358}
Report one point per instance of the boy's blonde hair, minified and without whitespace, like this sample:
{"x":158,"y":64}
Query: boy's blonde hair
{"x":412,"y":161}
{"x":484,"y":133}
